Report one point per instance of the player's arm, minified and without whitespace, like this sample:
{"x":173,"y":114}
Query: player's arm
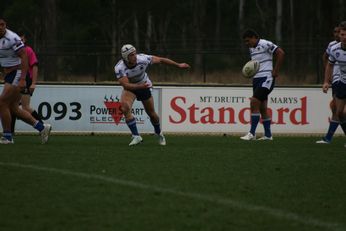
{"x":325,"y":59}
{"x":327,"y":76}
{"x":157,"y":59}
{"x":34,"y":78}
{"x":33,"y":63}
{"x":279,"y":55}
{"x":23,"y":67}
{"x":125,"y":83}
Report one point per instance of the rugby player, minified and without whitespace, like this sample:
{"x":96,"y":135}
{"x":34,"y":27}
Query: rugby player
{"x":263,"y":81}
{"x":14,"y":61}
{"x":130,"y":71}
{"x":337,"y":55}
{"x":31,"y":79}
{"x":334,"y":121}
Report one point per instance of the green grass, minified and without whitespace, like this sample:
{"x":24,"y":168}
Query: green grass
{"x":194,"y":183}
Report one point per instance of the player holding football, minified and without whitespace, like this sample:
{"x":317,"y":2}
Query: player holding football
{"x":263,"y":81}
{"x":334,"y":122}
{"x":14,"y":61}
{"x":130,"y":71}
{"x":337,"y":55}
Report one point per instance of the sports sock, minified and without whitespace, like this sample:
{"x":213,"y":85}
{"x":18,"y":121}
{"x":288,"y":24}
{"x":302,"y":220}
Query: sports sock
{"x":38,"y":126}
{"x":7,"y":135}
{"x":343,"y":126}
{"x":13,"y":122}
{"x":132,"y":126}
{"x":266,"y":125}
{"x":255,"y":117}
{"x":37,"y":116}
{"x":157,"y":127}
{"x":333,"y":125}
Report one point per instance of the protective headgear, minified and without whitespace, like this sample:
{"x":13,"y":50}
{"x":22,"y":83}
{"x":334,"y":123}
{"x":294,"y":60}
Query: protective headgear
{"x":126,"y":50}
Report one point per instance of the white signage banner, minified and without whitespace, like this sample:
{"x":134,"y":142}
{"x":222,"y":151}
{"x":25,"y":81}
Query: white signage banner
{"x":85,"y":109}
{"x":227,"y":110}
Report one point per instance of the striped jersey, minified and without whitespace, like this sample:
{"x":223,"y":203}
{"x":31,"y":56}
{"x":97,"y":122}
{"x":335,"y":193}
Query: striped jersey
{"x":336,"y":71}
{"x":263,"y":53}
{"x":338,"y":56}
{"x":136,"y":74}
{"x":10,"y":43}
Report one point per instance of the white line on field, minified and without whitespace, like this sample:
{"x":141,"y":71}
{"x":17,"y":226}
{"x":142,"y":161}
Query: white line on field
{"x":277,"y":213}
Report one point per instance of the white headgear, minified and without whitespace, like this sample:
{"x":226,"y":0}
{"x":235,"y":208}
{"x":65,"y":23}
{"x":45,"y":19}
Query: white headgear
{"x":126,"y":50}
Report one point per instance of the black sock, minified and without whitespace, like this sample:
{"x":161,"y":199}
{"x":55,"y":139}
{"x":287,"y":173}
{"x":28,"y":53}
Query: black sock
{"x":36,"y":116}
{"x":343,"y":126}
{"x":13,"y":123}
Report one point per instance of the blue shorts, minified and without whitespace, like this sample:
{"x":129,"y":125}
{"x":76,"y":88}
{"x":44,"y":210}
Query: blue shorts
{"x":334,"y":88}
{"x":13,"y":77}
{"x":142,"y":94}
{"x":262,"y":87}
{"x":340,"y":90}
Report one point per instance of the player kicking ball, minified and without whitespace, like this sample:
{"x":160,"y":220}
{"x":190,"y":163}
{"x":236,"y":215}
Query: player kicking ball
{"x":130,"y":71}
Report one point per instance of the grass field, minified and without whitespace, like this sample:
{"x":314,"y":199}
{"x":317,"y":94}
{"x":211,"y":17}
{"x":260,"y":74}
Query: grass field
{"x":194,"y":183}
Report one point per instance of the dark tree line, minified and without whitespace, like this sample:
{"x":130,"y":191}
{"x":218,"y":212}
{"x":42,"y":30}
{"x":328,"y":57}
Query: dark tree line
{"x":73,"y":36}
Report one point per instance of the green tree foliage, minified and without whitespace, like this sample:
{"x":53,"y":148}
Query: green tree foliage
{"x":86,"y":35}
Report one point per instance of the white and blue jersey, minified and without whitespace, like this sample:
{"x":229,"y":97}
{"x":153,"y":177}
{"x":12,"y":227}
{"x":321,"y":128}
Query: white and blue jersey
{"x":136,"y":74}
{"x":10,"y":43}
{"x":263,"y":53}
{"x":336,"y":71}
{"x":338,"y":55}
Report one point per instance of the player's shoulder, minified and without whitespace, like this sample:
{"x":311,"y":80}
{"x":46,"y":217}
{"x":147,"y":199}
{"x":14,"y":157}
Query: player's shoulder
{"x":335,"y":47}
{"x":265,"y":41}
{"x":332,"y":43}
{"x":120,"y":65}
{"x":144,"y":57}
{"x":10,"y":35}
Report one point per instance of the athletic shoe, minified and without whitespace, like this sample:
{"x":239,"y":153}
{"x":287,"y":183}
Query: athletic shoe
{"x":248,"y":136}
{"x":45,"y":133}
{"x":135,"y":140}
{"x":323,"y":141}
{"x":162,"y":139}
{"x":266,"y":138}
{"x":3,"y":140}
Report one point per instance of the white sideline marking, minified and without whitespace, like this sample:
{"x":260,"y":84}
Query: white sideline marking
{"x":277,"y":213}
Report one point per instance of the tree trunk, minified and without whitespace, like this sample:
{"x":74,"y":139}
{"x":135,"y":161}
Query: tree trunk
{"x":241,"y":17}
{"x":278,"y":24}
{"x":148,"y":32}
{"x":50,"y":64}
{"x":135,"y":31}
{"x":217,"y":24}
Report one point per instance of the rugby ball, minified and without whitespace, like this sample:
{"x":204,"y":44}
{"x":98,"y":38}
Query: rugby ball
{"x":250,"y":68}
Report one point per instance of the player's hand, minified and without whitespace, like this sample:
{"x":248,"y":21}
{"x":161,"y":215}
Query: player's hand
{"x":21,"y":84}
{"x":145,"y":85}
{"x":183,"y":65}
{"x":325,"y":87}
{"x":32,"y":88}
{"x":275,"y":74}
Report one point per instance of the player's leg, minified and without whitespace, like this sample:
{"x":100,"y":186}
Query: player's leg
{"x":340,"y":104}
{"x":154,"y":118}
{"x":44,"y":129}
{"x":25,"y":102}
{"x":333,"y":124}
{"x":255,"y":118}
{"x":262,"y":94}
{"x":5,"y":113}
{"x":126,"y":100}
{"x":266,"y":121}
